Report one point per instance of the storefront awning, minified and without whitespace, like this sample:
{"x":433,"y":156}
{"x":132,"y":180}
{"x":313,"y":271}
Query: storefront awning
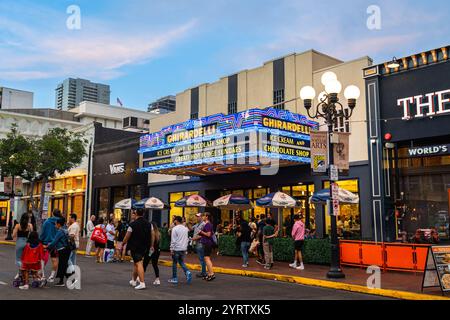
{"x":222,"y":144}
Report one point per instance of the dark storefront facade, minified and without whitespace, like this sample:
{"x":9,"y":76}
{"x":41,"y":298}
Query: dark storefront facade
{"x":115,"y":174}
{"x":214,"y":181}
{"x":409,"y":142}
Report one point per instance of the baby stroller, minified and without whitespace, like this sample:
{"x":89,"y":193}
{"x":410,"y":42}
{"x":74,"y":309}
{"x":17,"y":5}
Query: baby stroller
{"x":33,"y":262}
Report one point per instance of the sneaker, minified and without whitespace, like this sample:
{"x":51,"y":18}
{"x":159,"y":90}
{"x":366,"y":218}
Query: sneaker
{"x":173,"y":281}
{"x":245,"y":266}
{"x":188,"y":277}
{"x":267,"y":267}
{"x":301,"y":267}
{"x":157,"y":282}
{"x":141,"y":286}
{"x":210,"y":278}
{"x":51,"y":279}
{"x":201,"y":275}
{"x":133,"y":283}
{"x":24,"y":287}
{"x":293,"y":265}
{"x":260,"y":262}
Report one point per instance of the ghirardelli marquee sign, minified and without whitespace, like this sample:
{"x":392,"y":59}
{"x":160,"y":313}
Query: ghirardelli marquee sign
{"x":425,"y":105}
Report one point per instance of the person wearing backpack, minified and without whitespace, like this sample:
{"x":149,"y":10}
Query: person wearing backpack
{"x":209,"y":241}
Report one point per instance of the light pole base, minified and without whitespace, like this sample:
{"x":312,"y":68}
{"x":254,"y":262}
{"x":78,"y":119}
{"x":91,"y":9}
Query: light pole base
{"x":335,"y":274}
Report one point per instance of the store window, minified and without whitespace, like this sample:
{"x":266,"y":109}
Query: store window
{"x":188,"y":213}
{"x":302,"y":194}
{"x":226,"y":216}
{"x":349,"y":220}
{"x":103,"y":202}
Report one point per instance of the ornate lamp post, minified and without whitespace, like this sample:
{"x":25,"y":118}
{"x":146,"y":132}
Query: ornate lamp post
{"x":10,"y":213}
{"x":330,"y":109}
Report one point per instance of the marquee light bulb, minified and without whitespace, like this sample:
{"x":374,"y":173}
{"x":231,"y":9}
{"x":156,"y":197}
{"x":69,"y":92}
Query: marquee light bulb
{"x":333,"y":86}
{"x":352,"y":92}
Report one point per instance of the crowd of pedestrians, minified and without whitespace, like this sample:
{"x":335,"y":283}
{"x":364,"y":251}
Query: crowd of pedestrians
{"x":113,"y":240}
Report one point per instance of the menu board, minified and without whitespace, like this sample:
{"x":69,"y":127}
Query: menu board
{"x":437,"y":270}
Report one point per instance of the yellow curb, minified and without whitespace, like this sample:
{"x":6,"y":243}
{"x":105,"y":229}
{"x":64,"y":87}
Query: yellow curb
{"x":10,"y":243}
{"x":403,"y":295}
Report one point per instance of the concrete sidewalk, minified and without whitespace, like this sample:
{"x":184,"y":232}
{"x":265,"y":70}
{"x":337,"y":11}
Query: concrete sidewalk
{"x":400,"y":285}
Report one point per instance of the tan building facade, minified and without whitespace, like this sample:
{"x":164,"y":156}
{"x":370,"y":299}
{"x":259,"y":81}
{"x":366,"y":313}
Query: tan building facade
{"x":275,"y":82}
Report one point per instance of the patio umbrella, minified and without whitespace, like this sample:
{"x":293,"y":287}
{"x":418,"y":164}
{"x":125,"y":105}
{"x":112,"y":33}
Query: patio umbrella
{"x":233,"y":202}
{"x":193,"y":201}
{"x":151,"y":203}
{"x":125,"y":204}
{"x":344,"y":196}
{"x":277,"y":200}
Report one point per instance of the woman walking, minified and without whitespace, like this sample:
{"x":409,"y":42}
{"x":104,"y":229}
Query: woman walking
{"x":156,"y":238}
{"x":207,"y":235}
{"x":61,"y":245}
{"x":21,"y":233}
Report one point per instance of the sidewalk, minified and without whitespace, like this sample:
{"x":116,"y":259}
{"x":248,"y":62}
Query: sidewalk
{"x":393,"y":284}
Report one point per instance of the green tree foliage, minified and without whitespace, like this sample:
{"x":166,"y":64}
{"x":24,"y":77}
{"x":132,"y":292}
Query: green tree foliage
{"x":38,"y":160}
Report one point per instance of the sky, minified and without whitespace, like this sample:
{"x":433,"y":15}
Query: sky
{"x":149,"y":49}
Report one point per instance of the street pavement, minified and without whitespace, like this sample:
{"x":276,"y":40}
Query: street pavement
{"x":110,"y":281}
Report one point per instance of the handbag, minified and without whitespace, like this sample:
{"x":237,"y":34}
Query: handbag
{"x":99,"y":235}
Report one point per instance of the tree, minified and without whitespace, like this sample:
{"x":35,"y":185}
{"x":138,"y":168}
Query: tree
{"x":38,"y":160}
{"x":59,"y":151}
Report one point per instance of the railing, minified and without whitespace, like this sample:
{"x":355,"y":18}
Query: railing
{"x":388,"y":256}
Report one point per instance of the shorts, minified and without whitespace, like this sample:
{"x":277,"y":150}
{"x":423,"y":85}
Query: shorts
{"x":137,"y":256}
{"x":110,"y":244}
{"x":99,"y":245}
{"x":207,"y":249}
{"x":299,"y":245}
{"x":54,"y":254}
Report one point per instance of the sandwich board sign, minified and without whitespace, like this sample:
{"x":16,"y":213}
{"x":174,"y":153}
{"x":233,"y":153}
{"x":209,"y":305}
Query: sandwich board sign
{"x":437,"y":269}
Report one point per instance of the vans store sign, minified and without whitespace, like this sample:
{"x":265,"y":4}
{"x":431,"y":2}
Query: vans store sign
{"x":429,"y":151}
{"x":117,"y":168}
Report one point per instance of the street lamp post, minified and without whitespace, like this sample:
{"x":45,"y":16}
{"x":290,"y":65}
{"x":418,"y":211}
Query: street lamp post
{"x":330,"y":109}
{"x":10,"y":215}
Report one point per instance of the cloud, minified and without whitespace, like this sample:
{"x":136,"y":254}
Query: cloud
{"x":98,"y":50}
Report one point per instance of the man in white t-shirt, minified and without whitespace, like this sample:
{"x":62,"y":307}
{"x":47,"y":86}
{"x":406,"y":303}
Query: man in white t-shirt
{"x":74,"y":234}
{"x":111,"y":236}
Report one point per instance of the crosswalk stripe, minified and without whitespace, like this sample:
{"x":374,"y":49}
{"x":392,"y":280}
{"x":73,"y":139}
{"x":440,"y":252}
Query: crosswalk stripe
{"x":3,"y":283}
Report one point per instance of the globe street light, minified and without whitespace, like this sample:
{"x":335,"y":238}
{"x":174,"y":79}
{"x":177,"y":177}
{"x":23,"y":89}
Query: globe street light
{"x":330,"y":109}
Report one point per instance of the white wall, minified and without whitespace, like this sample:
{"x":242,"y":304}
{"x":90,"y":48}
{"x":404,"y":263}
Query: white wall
{"x":16,"y":99}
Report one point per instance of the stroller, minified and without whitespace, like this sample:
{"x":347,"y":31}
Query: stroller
{"x":34,"y":260}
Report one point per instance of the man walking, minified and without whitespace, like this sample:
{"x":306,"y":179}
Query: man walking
{"x":138,"y":241}
{"x":298,"y":234}
{"x":178,"y":247}
{"x":198,"y":245}
{"x":90,"y":226}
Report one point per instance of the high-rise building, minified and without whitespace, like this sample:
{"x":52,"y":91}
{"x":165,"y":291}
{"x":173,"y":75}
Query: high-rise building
{"x":163,"y":105}
{"x":71,"y":92}
{"x":15,"y":99}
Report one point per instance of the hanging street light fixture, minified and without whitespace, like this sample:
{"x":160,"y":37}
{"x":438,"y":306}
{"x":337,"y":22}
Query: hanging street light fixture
{"x":330,"y":109}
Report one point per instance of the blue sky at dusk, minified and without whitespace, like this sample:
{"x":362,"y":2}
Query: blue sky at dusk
{"x":148,"y":49}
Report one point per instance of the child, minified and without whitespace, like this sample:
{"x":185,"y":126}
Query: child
{"x":32,"y":257}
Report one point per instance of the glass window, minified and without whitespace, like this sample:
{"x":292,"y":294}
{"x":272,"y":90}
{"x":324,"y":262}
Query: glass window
{"x":349,"y":220}
{"x":187,"y":213}
{"x":103,"y":202}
